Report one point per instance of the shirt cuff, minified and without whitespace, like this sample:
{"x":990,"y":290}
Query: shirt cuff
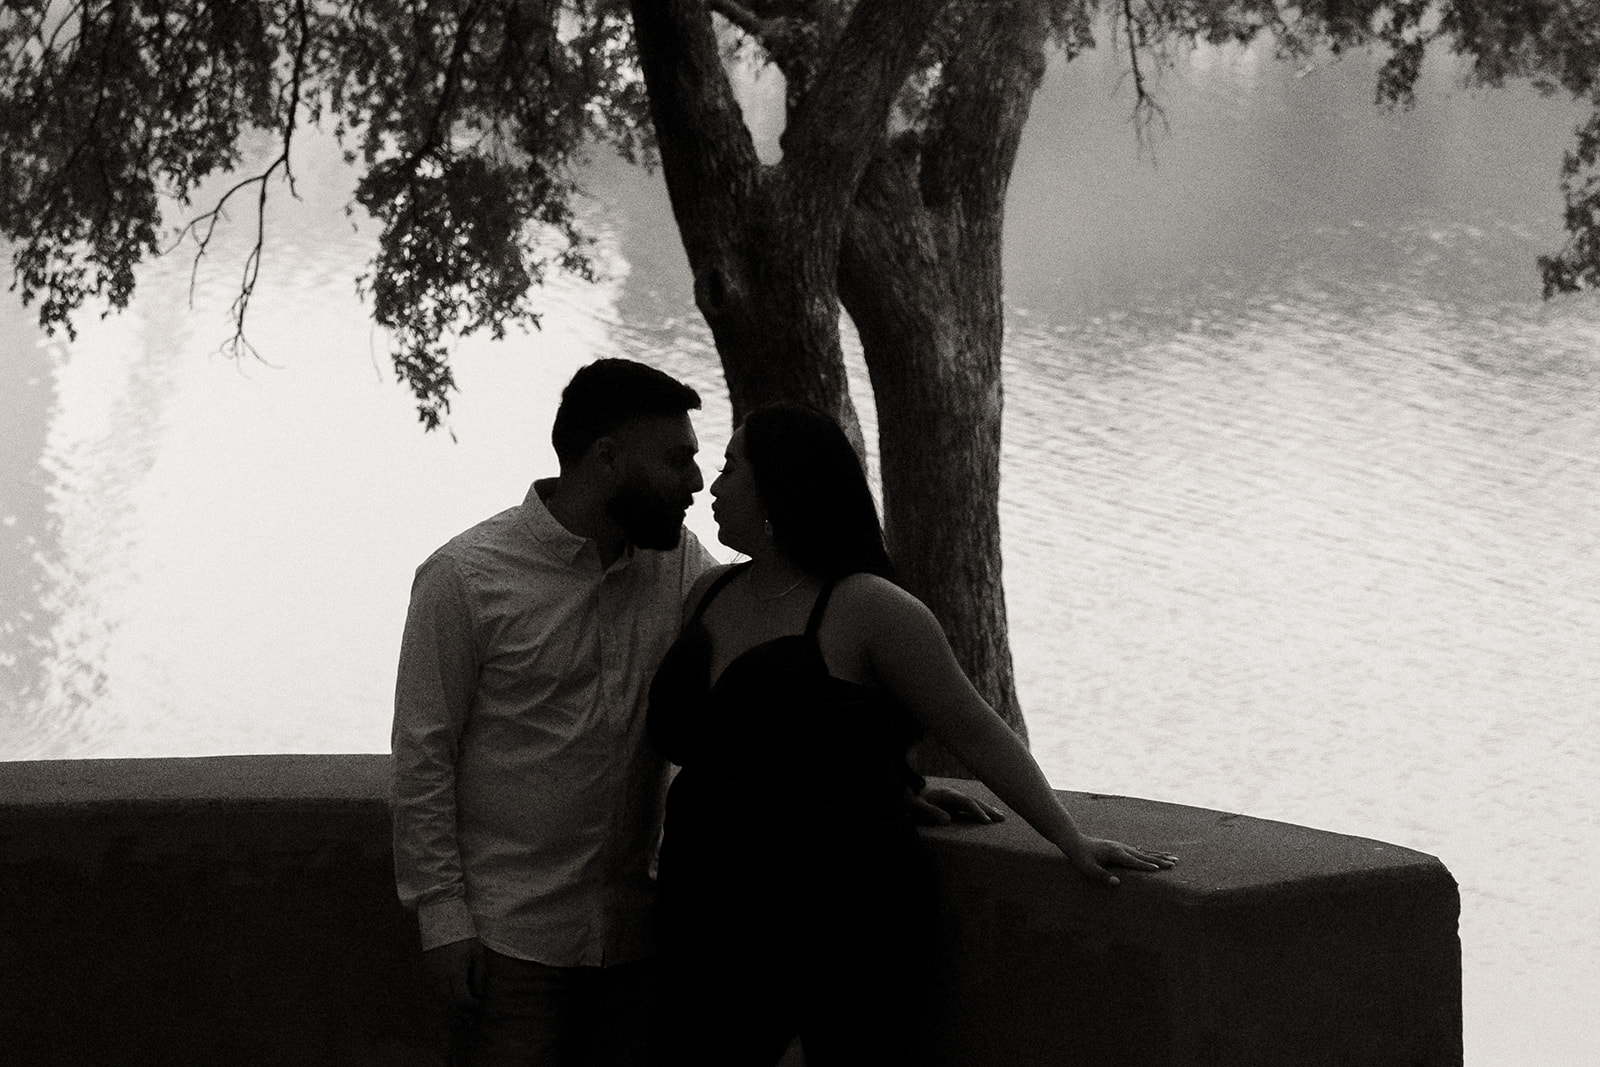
{"x":444,"y":922}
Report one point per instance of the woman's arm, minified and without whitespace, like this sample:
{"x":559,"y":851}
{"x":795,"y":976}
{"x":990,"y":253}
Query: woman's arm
{"x":908,"y":654}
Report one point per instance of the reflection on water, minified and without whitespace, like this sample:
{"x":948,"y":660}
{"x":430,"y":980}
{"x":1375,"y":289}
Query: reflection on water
{"x":25,"y":525}
{"x":1298,"y":504}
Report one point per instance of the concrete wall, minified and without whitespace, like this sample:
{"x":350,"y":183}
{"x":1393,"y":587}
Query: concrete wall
{"x":1269,"y":944}
{"x":240,"y":910}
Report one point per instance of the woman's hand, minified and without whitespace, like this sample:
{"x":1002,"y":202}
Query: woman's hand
{"x":1095,"y":857}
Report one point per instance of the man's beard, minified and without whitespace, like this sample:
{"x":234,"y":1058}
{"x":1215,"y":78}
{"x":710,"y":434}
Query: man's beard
{"x":647,"y":519}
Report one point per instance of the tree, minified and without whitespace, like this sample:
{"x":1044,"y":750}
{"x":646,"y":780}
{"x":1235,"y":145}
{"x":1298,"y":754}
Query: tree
{"x":466,"y":120}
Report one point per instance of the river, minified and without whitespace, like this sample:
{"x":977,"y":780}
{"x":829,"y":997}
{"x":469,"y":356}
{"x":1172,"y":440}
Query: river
{"x":1299,"y":505}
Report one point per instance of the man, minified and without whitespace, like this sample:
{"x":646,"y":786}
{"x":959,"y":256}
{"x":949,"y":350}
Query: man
{"x":527,"y":801}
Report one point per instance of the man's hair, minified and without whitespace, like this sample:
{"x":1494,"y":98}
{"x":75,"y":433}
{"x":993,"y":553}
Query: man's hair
{"x":810,"y":480}
{"x":609,"y":393}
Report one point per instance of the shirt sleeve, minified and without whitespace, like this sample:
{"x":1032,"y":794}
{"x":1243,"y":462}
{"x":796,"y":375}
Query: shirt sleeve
{"x":433,"y":693}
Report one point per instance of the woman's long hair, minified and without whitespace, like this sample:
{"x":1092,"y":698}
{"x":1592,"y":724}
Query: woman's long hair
{"x":815,"y":492}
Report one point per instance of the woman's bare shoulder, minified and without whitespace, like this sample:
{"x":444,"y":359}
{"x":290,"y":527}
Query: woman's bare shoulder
{"x":876,"y":600}
{"x":902,"y":639}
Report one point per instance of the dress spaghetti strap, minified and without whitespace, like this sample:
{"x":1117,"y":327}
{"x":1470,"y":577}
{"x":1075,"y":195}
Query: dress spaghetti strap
{"x":814,"y":623}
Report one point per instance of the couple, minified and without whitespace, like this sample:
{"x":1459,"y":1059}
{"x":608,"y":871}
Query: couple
{"x":529,"y":777}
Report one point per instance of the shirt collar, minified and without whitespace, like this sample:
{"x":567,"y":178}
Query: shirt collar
{"x":555,"y":538}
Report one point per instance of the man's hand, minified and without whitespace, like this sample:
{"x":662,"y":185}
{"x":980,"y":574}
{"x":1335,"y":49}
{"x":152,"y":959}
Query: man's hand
{"x":457,"y":972}
{"x":938,"y":805}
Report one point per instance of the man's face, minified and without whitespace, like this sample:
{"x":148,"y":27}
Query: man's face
{"x":658,"y":479}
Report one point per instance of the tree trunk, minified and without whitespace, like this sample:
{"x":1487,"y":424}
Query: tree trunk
{"x":920,"y":274}
{"x":763,"y":241}
{"x":908,"y":233}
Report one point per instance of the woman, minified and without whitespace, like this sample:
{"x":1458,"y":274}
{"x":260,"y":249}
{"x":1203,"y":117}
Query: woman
{"x":794,"y":895}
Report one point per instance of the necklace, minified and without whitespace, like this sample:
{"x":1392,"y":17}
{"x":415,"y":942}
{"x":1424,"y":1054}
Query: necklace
{"x":750,"y":583}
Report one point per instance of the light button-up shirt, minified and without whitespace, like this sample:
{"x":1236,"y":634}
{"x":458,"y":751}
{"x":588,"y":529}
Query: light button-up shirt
{"x":527,"y":799}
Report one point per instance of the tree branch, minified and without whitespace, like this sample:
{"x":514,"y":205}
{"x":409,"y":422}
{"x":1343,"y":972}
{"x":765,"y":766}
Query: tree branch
{"x":982,"y":104}
{"x":841,"y":122}
{"x":787,"y":33}
{"x":1145,"y":108}
{"x":238,"y":344}
{"x":700,"y":130}
{"x":447,"y":92}
{"x":90,"y":126}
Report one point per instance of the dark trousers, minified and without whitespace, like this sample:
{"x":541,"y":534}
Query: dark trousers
{"x":533,"y":1015}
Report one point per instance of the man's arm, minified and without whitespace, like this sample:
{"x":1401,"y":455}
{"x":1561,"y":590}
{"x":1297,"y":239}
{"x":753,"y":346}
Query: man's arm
{"x":433,"y":693}
{"x":938,"y":805}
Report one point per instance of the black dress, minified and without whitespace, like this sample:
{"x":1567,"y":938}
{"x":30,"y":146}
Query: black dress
{"x":794,"y":892}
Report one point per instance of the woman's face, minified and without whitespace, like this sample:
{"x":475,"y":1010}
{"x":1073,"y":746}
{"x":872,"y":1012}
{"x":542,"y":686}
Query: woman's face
{"x":741,"y":518}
